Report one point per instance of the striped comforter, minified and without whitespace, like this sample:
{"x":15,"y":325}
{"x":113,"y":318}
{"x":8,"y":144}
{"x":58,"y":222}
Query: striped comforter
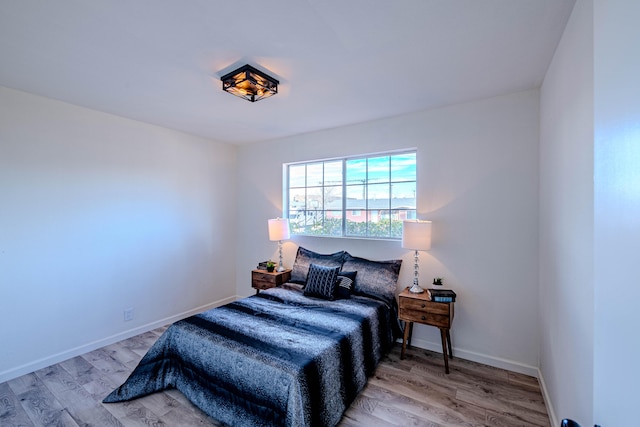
{"x":273,"y":359}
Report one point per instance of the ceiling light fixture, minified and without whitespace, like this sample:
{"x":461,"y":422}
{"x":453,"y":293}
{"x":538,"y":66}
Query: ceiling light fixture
{"x":249,"y":83}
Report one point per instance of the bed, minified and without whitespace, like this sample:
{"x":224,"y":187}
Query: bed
{"x":295,"y":355}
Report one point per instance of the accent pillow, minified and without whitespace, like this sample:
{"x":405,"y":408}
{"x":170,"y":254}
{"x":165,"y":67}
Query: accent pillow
{"x":346,"y":280}
{"x":305,"y":257}
{"x":321,"y":282}
{"x":375,"y":278}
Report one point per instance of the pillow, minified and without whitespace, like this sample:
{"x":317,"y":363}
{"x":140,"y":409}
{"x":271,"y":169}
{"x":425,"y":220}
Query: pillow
{"x":345,"y":284}
{"x":305,"y":257}
{"x":375,"y":278}
{"x":321,"y":282}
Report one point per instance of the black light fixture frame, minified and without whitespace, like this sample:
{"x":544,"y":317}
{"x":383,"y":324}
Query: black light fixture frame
{"x":270,"y":84}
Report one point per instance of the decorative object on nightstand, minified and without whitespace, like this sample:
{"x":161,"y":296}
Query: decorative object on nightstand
{"x":441,"y":295}
{"x":279,"y":231}
{"x":418,"y":308}
{"x":261,"y":279}
{"x":416,"y":235}
{"x":271,"y":266}
{"x":437,"y":281}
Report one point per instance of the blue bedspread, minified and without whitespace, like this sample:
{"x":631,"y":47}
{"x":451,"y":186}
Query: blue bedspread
{"x":273,"y":359}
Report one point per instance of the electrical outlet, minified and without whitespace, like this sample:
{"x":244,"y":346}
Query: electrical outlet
{"x":128,"y":314}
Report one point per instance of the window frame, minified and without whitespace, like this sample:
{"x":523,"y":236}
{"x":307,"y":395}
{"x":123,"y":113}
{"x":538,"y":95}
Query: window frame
{"x":365,"y":211}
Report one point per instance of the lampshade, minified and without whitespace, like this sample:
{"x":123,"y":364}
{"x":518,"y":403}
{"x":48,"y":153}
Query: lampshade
{"x":249,"y":83}
{"x":416,"y":235}
{"x":278,"y":229}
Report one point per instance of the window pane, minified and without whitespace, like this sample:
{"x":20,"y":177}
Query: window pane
{"x":378,"y":196}
{"x":396,"y":223}
{"x":356,"y":228}
{"x":378,"y":169}
{"x":333,"y":173}
{"x":314,"y":174}
{"x":314,"y":221}
{"x":297,"y":221}
{"x":296,"y":199}
{"x":356,"y":197}
{"x":333,"y":223}
{"x":356,"y":171}
{"x":402,"y":214}
{"x":314,"y":198}
{"x":403,"y":167}
{"x":297,"y":175}
{"x":379,"y":223}
{"x":333,"y":197}
{"x":403,"y":195}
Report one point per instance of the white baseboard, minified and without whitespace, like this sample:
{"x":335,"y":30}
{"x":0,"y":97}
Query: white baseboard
{"x":85,"y":348}
{"x":486,"y":359}
{"x":553,"y":419}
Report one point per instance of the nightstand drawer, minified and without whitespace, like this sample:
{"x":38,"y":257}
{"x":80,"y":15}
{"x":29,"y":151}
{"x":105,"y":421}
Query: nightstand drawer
{"x":422,"y":305}
{"x":262,"y":284}
{"x":261,"y":279}
{"x":438,"y":320}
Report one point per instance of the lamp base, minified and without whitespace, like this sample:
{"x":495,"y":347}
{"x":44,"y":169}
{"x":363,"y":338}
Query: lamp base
{"x":415,"y":289}
{"x":281,"y":269}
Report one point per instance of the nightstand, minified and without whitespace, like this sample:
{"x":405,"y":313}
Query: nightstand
{"x":418,"y":308}
{"x":262,"y":279}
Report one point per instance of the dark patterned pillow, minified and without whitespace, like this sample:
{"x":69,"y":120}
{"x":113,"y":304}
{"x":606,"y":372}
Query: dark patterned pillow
{"x":305,"y":257}
{"x":321,"y":282}
{"x":375,"y":278}
{"x":346,"y":280}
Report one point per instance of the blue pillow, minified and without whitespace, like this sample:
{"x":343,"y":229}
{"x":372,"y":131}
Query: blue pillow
{"x":346,"y":280}
{"x":305,"y":257}
{"x":321,"y":282}
{"x":375,"y":278}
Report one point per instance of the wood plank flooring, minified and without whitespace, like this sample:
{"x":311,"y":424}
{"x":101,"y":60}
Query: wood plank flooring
{"x":410,"y":392}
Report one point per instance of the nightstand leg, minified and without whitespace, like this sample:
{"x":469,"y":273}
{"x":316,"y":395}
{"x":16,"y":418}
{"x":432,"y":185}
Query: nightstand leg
{"x":449,"y":344}
{"x":443,"y":336}
{"x":410,"y":333}
{"x":407,"y":328}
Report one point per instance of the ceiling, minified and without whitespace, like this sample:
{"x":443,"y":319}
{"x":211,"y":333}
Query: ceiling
{"x":339,"y":62}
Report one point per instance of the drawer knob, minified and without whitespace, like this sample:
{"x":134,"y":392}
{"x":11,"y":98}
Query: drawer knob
{"x":424,"y":318}
{"x":423,"y":305}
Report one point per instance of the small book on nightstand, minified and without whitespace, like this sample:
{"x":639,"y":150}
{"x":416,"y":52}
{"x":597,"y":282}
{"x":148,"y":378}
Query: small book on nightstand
{"x":441,"y":295}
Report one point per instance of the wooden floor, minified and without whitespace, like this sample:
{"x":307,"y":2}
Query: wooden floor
{"x":411,"y":392}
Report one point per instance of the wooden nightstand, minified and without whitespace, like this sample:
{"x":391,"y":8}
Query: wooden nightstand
{"x":262,"y":279}
{"x":418,"y":308}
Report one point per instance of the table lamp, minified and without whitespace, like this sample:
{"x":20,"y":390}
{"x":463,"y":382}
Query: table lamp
{"x":416,"y":235}
{"x":279,"y":231}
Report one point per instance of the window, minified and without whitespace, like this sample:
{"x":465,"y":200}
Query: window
{"x":365,"y":197}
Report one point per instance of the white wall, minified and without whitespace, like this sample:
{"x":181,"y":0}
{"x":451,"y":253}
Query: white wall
{"x":566,"y":223}
{"x":617,"y":212}
{"x":98,"y":214}
{"x":478,"y":182}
